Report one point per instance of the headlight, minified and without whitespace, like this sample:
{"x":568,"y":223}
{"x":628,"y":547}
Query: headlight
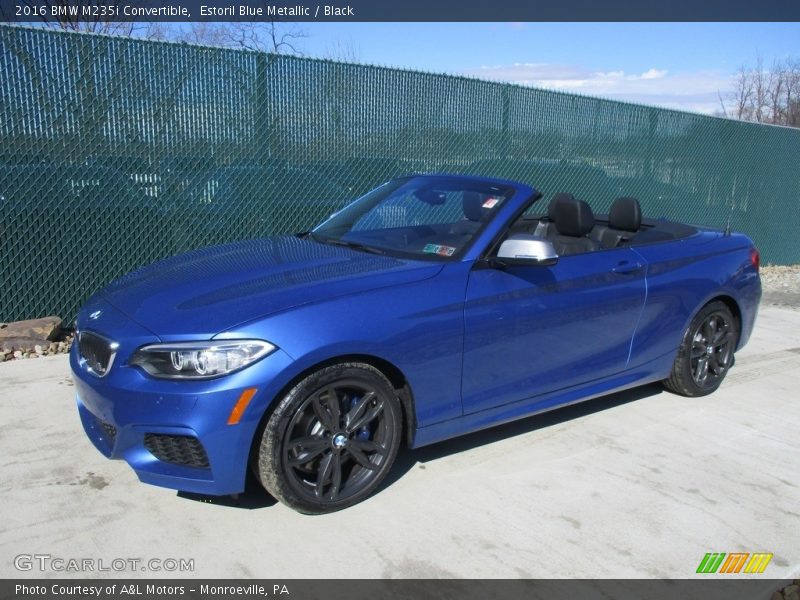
{"x":199,"y":360}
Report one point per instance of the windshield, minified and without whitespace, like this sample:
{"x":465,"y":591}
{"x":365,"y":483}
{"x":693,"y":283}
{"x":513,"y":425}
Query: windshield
{"x":426,"y":217}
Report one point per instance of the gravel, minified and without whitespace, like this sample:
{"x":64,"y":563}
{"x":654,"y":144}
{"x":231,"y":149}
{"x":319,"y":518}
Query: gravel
{"x":790,"y":592}
{"x":781,"y":285}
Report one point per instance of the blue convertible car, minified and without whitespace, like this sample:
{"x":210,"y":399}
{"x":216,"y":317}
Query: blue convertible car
{"x":431,"y":307}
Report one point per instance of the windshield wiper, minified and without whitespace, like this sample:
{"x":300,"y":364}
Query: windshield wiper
{"x":346,"y":244}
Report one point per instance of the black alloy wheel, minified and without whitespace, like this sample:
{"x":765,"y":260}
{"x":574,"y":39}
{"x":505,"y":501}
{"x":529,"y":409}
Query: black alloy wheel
{"x":711,"y":349}
{"x":706,"y":352}
{"x":332,"y":439}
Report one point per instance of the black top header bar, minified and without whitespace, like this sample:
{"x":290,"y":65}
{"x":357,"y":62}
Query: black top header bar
{"x":33,"y":11}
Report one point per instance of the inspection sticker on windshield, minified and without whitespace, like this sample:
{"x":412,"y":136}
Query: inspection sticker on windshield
{"x":490,"y":202}
{"x":440,"y":250}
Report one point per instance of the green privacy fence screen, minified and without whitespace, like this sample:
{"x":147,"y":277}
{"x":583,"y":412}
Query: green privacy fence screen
{"x":117,"y":152}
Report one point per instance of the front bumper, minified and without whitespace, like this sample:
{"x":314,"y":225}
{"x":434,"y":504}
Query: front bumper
{"x":164,"y":429}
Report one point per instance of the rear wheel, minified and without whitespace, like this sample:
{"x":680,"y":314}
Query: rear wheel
{"x":706,"y":352}
{"x":332,"y":439}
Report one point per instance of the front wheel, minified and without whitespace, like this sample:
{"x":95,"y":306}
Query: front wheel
{"x":332,"y":439}
{"x":706,"y":352}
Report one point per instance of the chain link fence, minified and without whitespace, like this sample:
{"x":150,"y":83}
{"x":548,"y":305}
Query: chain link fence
{"x":117,"y":152}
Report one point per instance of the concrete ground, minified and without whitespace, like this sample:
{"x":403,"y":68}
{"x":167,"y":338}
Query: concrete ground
{"x":638,"y":484}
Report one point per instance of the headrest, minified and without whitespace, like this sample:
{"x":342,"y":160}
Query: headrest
{"x":473,"y":206}
{"x":573,"y":218}
{"x":625,"y":214}
{"x":555,"y":200}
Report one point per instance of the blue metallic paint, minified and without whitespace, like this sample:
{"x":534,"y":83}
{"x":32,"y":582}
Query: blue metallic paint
{"x":214,"y":289}
{"x":530,"y":330}
{"x":477,"y":346}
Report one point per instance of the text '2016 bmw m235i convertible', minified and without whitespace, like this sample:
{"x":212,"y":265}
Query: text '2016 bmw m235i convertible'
{"x":431,"y":307}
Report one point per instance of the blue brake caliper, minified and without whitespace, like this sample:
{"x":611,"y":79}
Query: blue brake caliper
{"x":362,"y":434}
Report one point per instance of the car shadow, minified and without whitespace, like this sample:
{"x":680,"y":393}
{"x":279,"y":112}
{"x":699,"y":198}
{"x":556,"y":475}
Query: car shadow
{"x":408,"y":458}
{"x":255,"y":497}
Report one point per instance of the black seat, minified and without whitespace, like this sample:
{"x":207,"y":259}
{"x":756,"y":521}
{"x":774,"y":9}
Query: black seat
{"x":624,"y":220}
{"x":573,"y":222}
{"x":546,"y":226}
{"x":474,"y":214}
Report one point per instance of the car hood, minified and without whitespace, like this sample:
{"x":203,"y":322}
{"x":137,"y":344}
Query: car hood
{"x":211,"y":290}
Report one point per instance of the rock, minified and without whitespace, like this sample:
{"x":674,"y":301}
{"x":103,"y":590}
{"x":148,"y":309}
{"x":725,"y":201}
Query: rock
{"x":776,"y":596}
{"x":38,"y":349}
{"x":25,"y":344}
{"x":18,"y":354}
{"x":791,"y":592}
{"x":42,"y":329}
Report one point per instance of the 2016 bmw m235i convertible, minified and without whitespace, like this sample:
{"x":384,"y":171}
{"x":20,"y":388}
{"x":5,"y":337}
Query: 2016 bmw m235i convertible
{"x":431,"y":307}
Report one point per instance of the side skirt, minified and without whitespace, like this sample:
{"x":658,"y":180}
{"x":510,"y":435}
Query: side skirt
{"x":470,"y":423}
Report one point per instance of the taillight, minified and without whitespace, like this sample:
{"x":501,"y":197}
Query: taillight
{"x":755,"y":258}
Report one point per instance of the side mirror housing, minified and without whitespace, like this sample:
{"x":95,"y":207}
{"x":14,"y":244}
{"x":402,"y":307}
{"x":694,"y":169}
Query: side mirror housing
{"x":524,"y":249}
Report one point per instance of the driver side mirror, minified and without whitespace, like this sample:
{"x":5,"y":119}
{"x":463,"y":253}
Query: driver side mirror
{"x":524,"y":249}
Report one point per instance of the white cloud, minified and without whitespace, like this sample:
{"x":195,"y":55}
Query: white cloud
{"x":695,"y":90}
{"x":654,"y":74}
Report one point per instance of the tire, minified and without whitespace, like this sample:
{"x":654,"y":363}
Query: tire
{"x":318,"y":455}
{"x":706,"y":352}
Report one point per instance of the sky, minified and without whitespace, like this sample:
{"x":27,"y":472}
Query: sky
{"x":677,"y":65}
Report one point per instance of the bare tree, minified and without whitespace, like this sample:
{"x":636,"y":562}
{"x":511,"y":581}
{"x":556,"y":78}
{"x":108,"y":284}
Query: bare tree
{"x":765,"y":95}
{"x":270,"y":36}
{"x":284,"y":41}
{"x":760,"y":92}
{"x":742,"y":94}
{"x":202,"y":33}
{"x":791,"y":94}
{"x":343,"y":51}
{"x":776,"y":81}
{"x":59,"y":14}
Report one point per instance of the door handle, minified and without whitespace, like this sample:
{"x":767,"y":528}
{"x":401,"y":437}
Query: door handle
{"x":627,"y":267}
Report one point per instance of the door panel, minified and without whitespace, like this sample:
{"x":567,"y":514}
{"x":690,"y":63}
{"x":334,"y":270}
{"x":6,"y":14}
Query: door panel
{"x":532,"y":330}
